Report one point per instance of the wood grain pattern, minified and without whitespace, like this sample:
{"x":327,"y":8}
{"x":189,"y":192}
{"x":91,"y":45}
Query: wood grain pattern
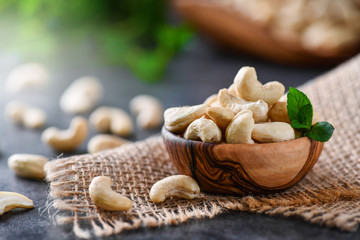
{"x":231,"y":29}
{"x":242,"y":168}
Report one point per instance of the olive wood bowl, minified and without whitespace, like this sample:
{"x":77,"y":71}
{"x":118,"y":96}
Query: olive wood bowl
{"x":238,"y":169}
{"x":230,"y":29}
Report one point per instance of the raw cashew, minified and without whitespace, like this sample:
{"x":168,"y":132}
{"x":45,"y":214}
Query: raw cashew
{"x":324,"y":35}
{"x":11,"y":200}
{"x":28,"y":165}
{"x":178,"y":118}
{"x":104,"y":141}
{"x":26,"y":115}
{"x":25,"y":76}
{"x":215,"y":103}
{"x":237,"y":104}
{"x":272,"y":132}
{"x":104,"y":197}
{"x":149,"y":111}
{"x":227,"y":99}
{"x":204,"y":129}
{"x":177,"y":186}
{"x":81,"y":96}
{"x":221,"y":116}
{"x":279,"y":113}
{"x":249,"y":88}
{"x":240,"y":128}
{"x":112,"y":119}
{"x":232,"y":89}
{"x":209,"y":100}
{"x":66,"y":140}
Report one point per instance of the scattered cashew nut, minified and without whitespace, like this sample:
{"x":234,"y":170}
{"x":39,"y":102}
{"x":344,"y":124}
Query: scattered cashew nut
{"x":177,"y":186}
{"x":204,"y":129}
{"x":66,"y":140}
{"x":104,"y":197}
{"x":240,"y":128}
{"x":221,"y":116}
{"x":178,"y":118}
{"x":28,"y":165}
{"x":149,"y":111}
{"x":25,"y":76}
{"x":249,"y":88}
{"x":102,"y":142}
{"x":11,"y":200}
{"x":273,"y":132}
{"x":81,"y":96}
{"x":111,"y":119}
{"x":25,"y":115}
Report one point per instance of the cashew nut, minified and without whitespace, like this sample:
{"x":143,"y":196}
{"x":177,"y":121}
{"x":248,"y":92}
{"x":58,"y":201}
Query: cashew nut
{"x":237,"y":104}
{"x":211,"y":99}
{"x":102,"y":142}
{"x":11,"y":200}
{"x":279,"y":113}
{"x":81,"y":96}
{"x":66,"y":140}
{"x":25,"y":76}
{"x":28,"y":165}
{"x":272,"y":132}
{"x":227,"y":99}
{"x":149,"y":111}
{"x":204,"y":129}
{"x":178,"y":118}
{"x":232,"y":89}
{"x":240,"y":128}
{"x":110,"y":119}
{"x":249,"y":88}
{"x":177,"y":186}
{"x":25,"y":115}
{"x":324,"y":35}
{"x":221,"y":116}
{"x":104,"y":197}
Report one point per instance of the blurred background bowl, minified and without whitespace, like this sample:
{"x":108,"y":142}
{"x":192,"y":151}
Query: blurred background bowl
{"x":291,"y":32}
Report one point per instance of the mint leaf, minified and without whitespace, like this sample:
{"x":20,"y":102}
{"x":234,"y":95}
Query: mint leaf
{"x":300,"y":112}
{"x":299,"y":109}
{"x":321,"y":131}
{"x":304,"y":118}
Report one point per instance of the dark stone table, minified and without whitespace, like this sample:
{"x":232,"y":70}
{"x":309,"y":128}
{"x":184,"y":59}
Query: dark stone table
{"x":196,"y":73}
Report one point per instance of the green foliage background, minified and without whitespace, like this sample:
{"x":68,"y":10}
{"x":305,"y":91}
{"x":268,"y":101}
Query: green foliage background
{"x":136,"y":33}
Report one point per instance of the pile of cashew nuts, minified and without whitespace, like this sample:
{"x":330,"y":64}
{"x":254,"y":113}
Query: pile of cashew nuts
{"x":245,"y":113}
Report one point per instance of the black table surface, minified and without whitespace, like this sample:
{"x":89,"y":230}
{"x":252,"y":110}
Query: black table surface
{"x":199,"y":71}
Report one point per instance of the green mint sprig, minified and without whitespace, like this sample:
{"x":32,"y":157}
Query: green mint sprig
{"x":300,"y":113}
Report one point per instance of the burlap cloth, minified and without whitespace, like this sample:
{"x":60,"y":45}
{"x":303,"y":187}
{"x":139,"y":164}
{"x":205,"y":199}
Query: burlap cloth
{"x":329,"y":195}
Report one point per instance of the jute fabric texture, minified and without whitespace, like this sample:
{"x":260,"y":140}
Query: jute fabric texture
{"x":329,"y":195}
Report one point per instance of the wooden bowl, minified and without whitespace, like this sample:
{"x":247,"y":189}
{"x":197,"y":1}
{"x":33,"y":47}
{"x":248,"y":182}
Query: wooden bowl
{"x":238,"y":169}
{"x":230,"y":29}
